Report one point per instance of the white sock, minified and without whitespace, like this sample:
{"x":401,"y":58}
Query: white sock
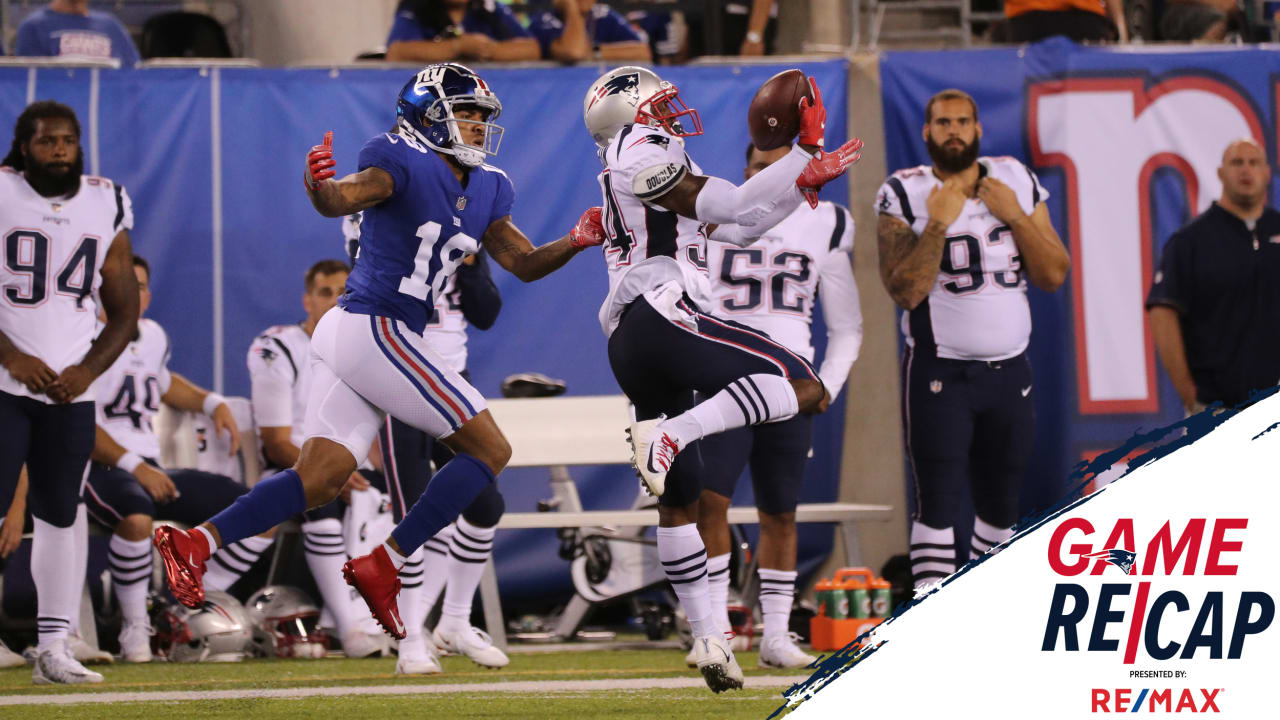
{"x":435,"y":568}
{"x":58,"y":590}
{"x":229,"y":563}
{"x":326,"y":553}
{"x":412,"y":612}
{"x":718,"y":588}
{"x":986,"y":536}
{"x":396,"y":558}
{"x":684,"y":560}
{"x":469,"y":549}
{"x":208,"y":536}
{"x":750,"y":400}
{"x":130,"y":563}
{"x":933,"y":553}
{"x":777,"y":589}
{"x":81,"y":527}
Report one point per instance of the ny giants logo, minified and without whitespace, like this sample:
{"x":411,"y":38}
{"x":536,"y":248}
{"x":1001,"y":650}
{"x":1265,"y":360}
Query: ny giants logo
{"x":1141,"y":619}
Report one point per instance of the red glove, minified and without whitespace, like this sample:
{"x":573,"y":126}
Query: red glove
{"x":825,"y":167}
{"x":589,"y":231}
{"x":320,"y":163}
{"x":813,"y":117}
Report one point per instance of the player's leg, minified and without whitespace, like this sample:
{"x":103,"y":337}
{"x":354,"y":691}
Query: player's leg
{"x":1003,"y":435}
{"x":938,"y":425}
{"x":724,"y":457}
{"x":777,"y":473}
{"x":61,"y":440}
{"x":325,"y":551}
{"x":199,"y":493}
{"x":470,"y":548}
{"x":118,"y":501}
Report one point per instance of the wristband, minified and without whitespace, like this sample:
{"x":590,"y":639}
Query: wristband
{"x":211,"y":403}
{"x":754,"y":37}
{"x":129,"y":462}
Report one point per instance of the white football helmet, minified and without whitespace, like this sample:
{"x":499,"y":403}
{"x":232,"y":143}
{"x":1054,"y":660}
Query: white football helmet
{"x":283,"y":620}
{"x":633,"y":94}
{"x":217,"y":631}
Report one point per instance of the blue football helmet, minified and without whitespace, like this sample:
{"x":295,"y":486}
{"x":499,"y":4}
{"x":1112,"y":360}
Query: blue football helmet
{"x":427,"y":105}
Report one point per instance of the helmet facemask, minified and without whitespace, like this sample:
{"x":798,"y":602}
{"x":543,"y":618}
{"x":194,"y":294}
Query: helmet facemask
{"x":441,"y":116}
{"x":665,"y":109}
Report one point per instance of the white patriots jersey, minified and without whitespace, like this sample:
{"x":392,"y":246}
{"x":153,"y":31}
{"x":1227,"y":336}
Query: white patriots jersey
{"x":446,"y":329}
{"x":646,"y":246}
{"x":977,"y":308}
{"x":51,"y":255}
{"x":280,"y":376}
{"x":128,"y":393}
{"x":772,"y":285}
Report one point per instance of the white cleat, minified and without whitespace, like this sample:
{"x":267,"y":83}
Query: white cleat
{"x":716,"y":663}
{"x":781,"y":651}
{"x":360,"y":644}
{"x":653,"y":453}
{"x":739,"y":643}
{"x":135,"y":642}
{"x":86,"y":653}
{"x":472,"y":642}
{"x":9,"y":658}
{"x":55,"y":665}
{"x":417,"y":657}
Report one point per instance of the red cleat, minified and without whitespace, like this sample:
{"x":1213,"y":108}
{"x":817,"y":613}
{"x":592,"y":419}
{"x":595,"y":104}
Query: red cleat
{"x":375,"y":577}
{"x":183,"y":557}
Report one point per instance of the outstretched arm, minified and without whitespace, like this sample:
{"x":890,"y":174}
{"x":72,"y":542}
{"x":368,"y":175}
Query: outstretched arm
{"x":513,"y":251}
{"x":353,"y":193}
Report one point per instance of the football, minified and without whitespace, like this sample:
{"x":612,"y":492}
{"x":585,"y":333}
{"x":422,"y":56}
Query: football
{"x":774,"y":116}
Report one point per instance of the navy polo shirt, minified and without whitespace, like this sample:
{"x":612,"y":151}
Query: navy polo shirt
{"x":1223,"y":279}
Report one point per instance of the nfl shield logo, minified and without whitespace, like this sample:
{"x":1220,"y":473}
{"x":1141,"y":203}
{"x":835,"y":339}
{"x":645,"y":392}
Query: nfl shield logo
{"x":462,"y":202}
{"x":57,"y":207}
{"x":935,"y":387}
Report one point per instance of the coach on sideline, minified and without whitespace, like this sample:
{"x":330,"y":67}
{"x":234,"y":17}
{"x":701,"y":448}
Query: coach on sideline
{"x":1214,"y":304}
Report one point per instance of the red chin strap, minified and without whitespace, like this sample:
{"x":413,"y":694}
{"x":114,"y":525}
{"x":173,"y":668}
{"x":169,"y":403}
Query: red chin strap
{"x":665,"y":108}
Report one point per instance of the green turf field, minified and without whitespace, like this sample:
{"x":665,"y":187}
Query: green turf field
{"x":570,"y":684}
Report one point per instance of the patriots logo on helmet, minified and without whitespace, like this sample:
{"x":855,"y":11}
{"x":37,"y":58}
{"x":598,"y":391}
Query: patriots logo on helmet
{"x":1123,"y":559}
{"x":628,"y":84}
{"x":267,"y":353}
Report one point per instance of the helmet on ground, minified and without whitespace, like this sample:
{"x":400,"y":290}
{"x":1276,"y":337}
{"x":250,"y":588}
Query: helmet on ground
{"x":633,"y":94}
{"x":217,"y":631}
{"x":428,"y":105}
{"x":283,"y":621}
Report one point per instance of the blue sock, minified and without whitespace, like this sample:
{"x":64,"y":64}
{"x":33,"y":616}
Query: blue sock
{"x":272,"y":501}
{"x":450,"y":491}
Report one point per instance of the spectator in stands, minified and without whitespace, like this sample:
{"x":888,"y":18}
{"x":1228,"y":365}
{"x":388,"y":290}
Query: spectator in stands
{"x":660,"y":29}
{"x":1199,"y":20}
{"x":440,"y":30}
{"x":747,"y":29}
{"x":1079,"y":20}
{"x":68,"y":28}
{"x":577,"y":30}
{"x":1214,"y":304}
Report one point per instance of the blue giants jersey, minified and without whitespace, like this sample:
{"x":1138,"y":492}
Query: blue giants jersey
{"x":411,"y":242}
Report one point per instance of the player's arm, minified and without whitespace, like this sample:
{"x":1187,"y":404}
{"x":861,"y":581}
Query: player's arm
{"x":477,"y":294}
{"x":512,"y":250}
{"x":353,"y":193}
{"x":11,"y":531}
{"x":1043,"y":255}
{"x":909,"y":263}
{"x":26,"y":369}
{"x":276,"y":445}
{"x":119,"y":295}
{"x":186,"y":395}
{"x":838,"y":293}
{"x":106,"y":451}
{"x":1166,"y":330}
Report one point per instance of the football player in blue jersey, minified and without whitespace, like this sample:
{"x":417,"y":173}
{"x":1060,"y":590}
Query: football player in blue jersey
{"x":429,"y":200}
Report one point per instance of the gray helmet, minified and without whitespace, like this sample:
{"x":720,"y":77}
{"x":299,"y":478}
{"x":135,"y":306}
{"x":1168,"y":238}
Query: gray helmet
{"x":283,"y":620}
{"x":217,"y":631}
{"x":633,"y":94}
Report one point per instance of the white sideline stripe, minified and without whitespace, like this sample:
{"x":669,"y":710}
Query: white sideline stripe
{"x":523,"y":686}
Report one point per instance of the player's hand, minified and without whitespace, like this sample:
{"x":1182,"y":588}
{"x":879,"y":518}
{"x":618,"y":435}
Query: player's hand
{"x":10,"y":535}
{"x":1000,"y":200}
{"x":825,"y":167}
{"x":355,"y":482}
{"x":223,"y":420}
{"x":320,"y":163}
{"x":813,"y":117}
{"x":946,"y":201}
{"x":589,"y":231}
{"x":30,"y":371}
{"x":71,"y":384}
{"x":751,"y":49}
{"x":156,"y":483}
{"x":476,"y":46}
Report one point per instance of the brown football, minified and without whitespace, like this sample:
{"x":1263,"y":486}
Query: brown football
{"x":774,"y":116}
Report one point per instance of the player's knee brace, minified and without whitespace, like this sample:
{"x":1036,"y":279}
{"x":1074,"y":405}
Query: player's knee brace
{"x":486,"y":510}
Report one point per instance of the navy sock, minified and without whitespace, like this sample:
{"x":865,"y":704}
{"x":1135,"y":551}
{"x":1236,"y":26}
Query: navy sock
{"x":450,"y":491}
{"x":270,"y":502}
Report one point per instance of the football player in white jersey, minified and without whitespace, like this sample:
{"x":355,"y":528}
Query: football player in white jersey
{"x":64,"y":244}
{"x":958,"y":242}
{"x":663,"y":345}
{"x":280,"y":379}
{"x":127,"y":489}
{"x":453,"y":560}
{"x":772,"y":286}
